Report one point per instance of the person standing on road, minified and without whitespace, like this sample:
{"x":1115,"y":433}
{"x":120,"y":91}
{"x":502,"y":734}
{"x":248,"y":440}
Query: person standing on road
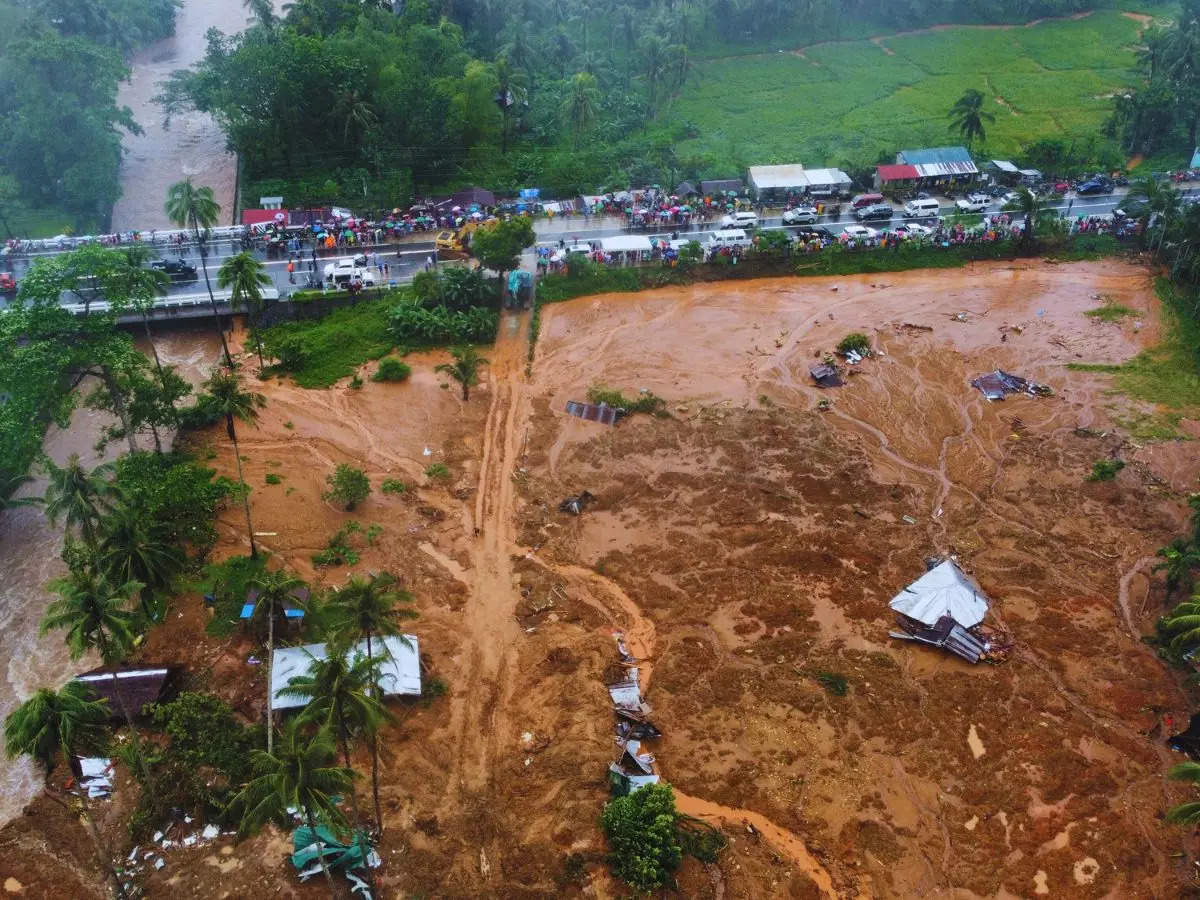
{"x":291,"y":267}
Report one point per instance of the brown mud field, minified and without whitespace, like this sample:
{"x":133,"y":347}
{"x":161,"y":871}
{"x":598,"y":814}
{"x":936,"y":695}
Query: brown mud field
{"x":746,"y":543}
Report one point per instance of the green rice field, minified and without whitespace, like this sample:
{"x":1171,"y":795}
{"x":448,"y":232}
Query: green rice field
{"x":847,"y":103}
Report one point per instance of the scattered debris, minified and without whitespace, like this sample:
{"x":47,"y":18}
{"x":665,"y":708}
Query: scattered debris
{"x":308,"y":848}
{"x":592,"y":412}
{"x":912,"y":326}
{"x":574,"y":505}
{"x":999,"y":384}
{"x":632,"y":769}
{"x":97,"y":775}
{"x":826,"y":376}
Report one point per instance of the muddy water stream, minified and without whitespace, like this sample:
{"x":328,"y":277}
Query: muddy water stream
{"x":29,"y":557}
{"x":194,"y":144}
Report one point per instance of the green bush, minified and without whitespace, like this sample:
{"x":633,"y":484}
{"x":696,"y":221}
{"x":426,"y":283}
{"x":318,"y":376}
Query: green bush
{"x":174,"y":493}
{"x":201,"y":414}
{"x":320,"y":352}
{"x":348,"y":486}
{"x":834,"y":682}
{"x":392,"y":369}
{"x":646,"y":402}
{"x":356,"y":383}
{"x":1105,"y":469}
{"x":338,"y":550}
{"x":393,"y":486}
{"x":415,"y":325}
{"x":856,"y":341}
{"x":272,"y":478}
{"x":228,"y":582}
{"x":437,"y":470}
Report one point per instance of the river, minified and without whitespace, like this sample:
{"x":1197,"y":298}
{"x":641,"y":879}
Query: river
{"x":194,"y":144}
{"x":29,"y":557}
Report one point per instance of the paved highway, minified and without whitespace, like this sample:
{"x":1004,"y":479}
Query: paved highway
{"x":406,"y":258}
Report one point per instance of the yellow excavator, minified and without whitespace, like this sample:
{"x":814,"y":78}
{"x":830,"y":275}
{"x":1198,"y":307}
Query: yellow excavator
{"x":456,"y":244}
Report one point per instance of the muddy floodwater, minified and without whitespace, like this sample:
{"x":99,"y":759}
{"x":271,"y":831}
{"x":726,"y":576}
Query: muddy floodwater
{"x":29,"y":557}
{"x":746,"y":543}
{"x":194,"y":145}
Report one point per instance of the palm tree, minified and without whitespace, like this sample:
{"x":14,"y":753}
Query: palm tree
{"x":514,"y":91}
{"x":275,"y":591}
{"x":245,"y":277}
{"x":356,"y":112}
{"x":79,"y":497}
{"x":1159,"y":201}
{"x":56,"y":727}
{"x":233,"y":402}
{"x":1183,"y":625}
{"x":133,"y":549}
{"x":655,"y":62}
{"x":340,"y":696}
{"x":1185,"y":813}
{"x":366,"y":608}
{"x":1030,"y":206}
{"x":262,"y":13}
{"x":193,"y":207}
{"x":967,"y":115}
{"x":9,"y":483}
{"x":297,"y":776}
{"x":581,"y":104}
{"x":464,"y":369}
{"x":1179,"y":558}
{"x":142,"y":286}
{"x":95,"y":615}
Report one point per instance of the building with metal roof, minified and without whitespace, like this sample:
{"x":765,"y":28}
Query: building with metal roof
{"x":399,"y":672}
{"x":945,"y":590}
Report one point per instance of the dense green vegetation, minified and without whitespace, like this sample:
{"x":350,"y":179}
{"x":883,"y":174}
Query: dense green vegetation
{"x":336,"y":101}
{"x":60,"y":124}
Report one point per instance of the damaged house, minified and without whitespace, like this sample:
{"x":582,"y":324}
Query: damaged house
{"x":943,"y":608}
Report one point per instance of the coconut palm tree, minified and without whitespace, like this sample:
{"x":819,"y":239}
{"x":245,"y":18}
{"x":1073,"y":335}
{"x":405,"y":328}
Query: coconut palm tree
{"x":968,"y":115}
{"x":464,"y":369}
{"x":1179,"y":559}
{"x":232,"y":401}
{"x":513,"y":92}
{"x":56,"y":727}
{"x":79,"y":497}
{"x":131,"y":548}
{"x":9,"y":483}
{"x":189,"y":206}
{"x":296,"y":776}
{"x":141,"y":285}
{"x":583,"y":99}
{"x":275,"y":591}
{"x":340,"y":696}
{"x":369,"y":608}
{"x":95,"y":614}
{"x":1182,"y":624}
{"x":245,"y":277}
{"x":1185,"y":813}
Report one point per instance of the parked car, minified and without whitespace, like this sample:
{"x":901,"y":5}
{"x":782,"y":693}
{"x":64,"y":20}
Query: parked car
{"x":8,"y":284}
{"x":874,"y":211}
{"x":913,"y":229}
{"x":860,"y":231}
{"x":972,"y":204}
{"x":740,"y":220}
{"x":177,"y":269}
{"x":812,"y":231}
{"x":1094,"y":187}
{"x":800,"y":215}
{"x":863,"y":200}
{"x":1009,"y":198}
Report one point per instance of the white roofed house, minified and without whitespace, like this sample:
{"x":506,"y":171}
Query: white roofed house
{"x":940,"y":608}
{"x":399,"y":671}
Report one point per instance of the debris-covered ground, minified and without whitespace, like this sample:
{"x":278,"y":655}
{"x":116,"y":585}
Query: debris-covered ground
{"x":746,"y":544}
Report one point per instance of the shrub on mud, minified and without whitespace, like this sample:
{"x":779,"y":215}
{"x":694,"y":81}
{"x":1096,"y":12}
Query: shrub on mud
{"x":856,"y":341}
{"x":437,"y":471}
{"x":646,"y":401}
{"x":348,"y":486}
{"x":641,"y":832}
{"x":1105,"y":469}
{"x":393,"y":486}
{"x":391,"y":369}
{"x":339,"y":551}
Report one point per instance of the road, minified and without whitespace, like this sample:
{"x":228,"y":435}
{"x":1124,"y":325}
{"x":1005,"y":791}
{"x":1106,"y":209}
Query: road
{"x":408,"y":257}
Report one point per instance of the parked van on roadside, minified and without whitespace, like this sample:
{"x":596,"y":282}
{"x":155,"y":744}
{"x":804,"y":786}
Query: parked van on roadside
{"x":861,"y":200}
{"x":728,"y":237}
{"x":921,"y":209}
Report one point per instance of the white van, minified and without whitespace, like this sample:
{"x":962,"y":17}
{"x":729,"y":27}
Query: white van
{"x":728,"y":237}
{"x":921,"y":209}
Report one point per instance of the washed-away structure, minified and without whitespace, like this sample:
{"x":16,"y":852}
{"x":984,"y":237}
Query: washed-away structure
{"x":632,"y":768}
{"x":999,"y":384}
{"x":942,"y":608}
{"x":399,"y":672}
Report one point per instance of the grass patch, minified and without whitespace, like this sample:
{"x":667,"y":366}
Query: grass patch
{"x":332,"y":348}
{"x":834,"y":683}
{"x":272,"y":478}
{"x":392,"y":369}
{"x":646,"y":401}
{"x":1105,"y":469}
{"x":438,"y":471}
{"x":1110,"y":311}
{"x":1165,"y":377}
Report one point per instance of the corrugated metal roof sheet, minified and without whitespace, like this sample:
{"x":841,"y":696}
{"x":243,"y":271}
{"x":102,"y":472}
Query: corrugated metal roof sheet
{"x":399,"y":673}
{"x":943,"y":590}
{"x":590,"y":412}
{"x":788,"y":176}
{"x":1005,"y":166}
{"x":139,"y":685}
{"x":721,"y":184}
{"x":945,"y":169}
{"x":931,"y":155}
{"x":898,"y":172}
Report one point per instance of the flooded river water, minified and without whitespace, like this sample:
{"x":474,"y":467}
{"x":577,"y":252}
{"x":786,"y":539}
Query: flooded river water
{"x":29,"y":557}
{"x":194,"y":144}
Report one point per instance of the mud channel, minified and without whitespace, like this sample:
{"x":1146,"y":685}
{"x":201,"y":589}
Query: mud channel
{"x":745,"y":544}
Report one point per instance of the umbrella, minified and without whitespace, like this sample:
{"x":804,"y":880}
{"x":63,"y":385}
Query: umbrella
{"x":476,"y":215}
{"x":396,"y":211}
{"x":456,"y":209}
{"x":278,"y":217}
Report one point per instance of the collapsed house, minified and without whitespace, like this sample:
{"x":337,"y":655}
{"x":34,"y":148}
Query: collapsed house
{"x":595,"y":412}
{"x":826,"y":376}
{"x":134,"y":687}
{"x":944,"y":608}
{"x":632,"y":769}
{"x":999,"y":384}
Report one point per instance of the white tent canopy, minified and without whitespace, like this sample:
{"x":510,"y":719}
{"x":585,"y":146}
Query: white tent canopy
{"x":942,"y":591}
{"x":795,"y":177}
{"x":400,"y":672}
